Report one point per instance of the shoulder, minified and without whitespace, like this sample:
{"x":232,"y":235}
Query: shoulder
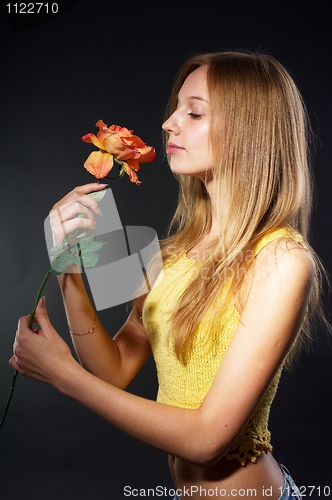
{"x":282,"y":267}
{"x":284,"y":256}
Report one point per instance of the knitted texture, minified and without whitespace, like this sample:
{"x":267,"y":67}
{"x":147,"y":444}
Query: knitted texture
{"x":186,"y":386}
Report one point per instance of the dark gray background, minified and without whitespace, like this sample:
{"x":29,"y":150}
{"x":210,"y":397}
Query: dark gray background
{"x":117,"y":61}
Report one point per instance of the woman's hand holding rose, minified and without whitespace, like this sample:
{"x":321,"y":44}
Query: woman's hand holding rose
{"x":41,"y":353}
{"x":64,"y":214}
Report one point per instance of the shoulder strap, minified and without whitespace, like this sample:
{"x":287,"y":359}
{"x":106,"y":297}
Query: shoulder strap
{"x":283,"y":232}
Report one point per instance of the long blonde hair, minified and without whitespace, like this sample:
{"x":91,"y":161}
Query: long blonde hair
{"x":259,"y":135}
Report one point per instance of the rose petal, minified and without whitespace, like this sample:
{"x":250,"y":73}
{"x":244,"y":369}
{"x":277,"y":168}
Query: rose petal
{"x":114,"y":129}
{"x":114,"y":145}
{"x":134,"y":165}
{"x":92,"y":139}
{"x":135,"y":141}
{"x":99,"y":164}
{"x":101,"y":125}
{"x":103,"y":130}
{"x":131,"y":171}
{"x":148,"y":154}
{"x":121,"y":131}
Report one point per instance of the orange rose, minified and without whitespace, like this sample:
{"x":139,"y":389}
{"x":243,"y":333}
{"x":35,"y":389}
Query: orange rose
{"x":119,"y":143}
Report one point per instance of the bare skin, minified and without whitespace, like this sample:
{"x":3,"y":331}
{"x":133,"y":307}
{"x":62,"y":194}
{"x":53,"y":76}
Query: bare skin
{"x":227,"y":478}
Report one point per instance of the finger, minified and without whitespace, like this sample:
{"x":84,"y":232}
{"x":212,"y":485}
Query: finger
{"x":23,"y":329}
{"x":87,"y":227}
{"x":72,"y":212}
{"x":12,"y":362}
{"x":73,"y":209}
{"x":74,"y":206}
{"x":22,"y":326}
{"x":66,"y":220}
{"x":90,"y":188}
{"x":42,"y":318}
{"x":85,"y":189}
{"x":82,"y":192}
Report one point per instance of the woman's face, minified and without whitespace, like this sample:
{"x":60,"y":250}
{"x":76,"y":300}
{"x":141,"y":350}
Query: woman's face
{"x":188,"y":143}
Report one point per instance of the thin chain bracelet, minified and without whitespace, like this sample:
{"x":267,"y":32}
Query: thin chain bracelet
{"x":92,"y":329}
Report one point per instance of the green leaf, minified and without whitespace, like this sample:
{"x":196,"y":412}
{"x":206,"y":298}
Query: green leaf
{"x":96,"y":245}
{"x":98,"y":195}
{"x":83,"y":253}
{"x":90,"y":259}
{"x":65,"y":259}
{"x":55,"y":251}
{"x":116,"y":160}
{"x":84,"y":244}
{"x":90,"y":245}
{"x":64,"y":245}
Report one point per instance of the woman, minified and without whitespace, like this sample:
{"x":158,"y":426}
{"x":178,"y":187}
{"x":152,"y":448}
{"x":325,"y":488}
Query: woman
{"x":231,"y":306}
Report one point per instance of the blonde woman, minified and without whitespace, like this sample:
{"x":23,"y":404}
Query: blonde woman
{"x":232,"y":304}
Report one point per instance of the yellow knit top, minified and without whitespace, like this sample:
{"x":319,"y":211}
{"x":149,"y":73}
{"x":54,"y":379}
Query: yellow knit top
{"x":186,"y":385}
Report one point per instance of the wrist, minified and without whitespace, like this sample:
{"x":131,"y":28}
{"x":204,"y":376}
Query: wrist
{"x":68,"y":376}
{"x":72,"y":272}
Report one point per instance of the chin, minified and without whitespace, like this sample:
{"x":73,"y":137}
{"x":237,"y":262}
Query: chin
{"x":177,"y":169}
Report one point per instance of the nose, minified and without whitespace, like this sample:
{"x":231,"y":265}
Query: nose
{"x":171,"y":125}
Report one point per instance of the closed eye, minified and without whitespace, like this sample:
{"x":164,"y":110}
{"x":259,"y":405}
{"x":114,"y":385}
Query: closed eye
{"x":194,"y":116}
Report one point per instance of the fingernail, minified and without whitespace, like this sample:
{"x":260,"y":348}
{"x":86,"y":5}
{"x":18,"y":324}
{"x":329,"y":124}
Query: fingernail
{"x":42,"y":301}
{"x":103,"y":185}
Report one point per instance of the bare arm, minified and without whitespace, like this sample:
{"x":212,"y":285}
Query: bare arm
{"x":269,"y":323}
{"x":114,"y":360}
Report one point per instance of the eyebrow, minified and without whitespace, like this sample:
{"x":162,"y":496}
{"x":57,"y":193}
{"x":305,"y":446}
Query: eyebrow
{"x":198,"y":98}
{"x":195,"y":97}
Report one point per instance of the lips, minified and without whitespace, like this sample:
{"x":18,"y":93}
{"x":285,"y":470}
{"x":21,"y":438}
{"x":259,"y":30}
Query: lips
{"x":173,"y":148}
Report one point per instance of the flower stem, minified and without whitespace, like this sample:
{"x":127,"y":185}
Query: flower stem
{"x":32,"y":315}
{"x":40,"y":291}
{"x":9,"y":398}
{"x":120,"y":168}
